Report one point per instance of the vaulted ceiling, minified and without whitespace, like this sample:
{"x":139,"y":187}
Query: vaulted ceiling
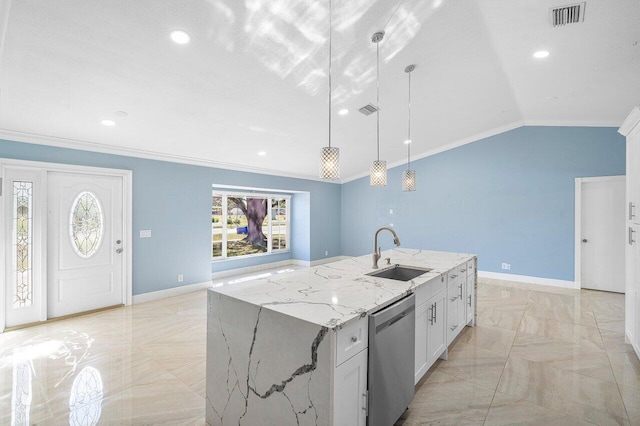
{"x":255,"y":76}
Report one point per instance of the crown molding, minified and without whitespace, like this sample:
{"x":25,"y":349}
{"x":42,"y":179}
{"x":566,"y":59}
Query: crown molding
{"x":37,"y":139}
{"x":571,"y":123}
{"x":630,"y":122}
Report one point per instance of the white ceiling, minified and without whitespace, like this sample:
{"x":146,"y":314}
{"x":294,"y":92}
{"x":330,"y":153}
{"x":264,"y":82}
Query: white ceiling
{"x":254,"y":77}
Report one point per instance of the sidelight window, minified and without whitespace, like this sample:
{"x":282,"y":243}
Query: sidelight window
{"x":22,"y":239}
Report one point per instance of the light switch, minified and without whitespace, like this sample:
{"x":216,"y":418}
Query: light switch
{"x":145,"y":233}
{"x":390,"y":211}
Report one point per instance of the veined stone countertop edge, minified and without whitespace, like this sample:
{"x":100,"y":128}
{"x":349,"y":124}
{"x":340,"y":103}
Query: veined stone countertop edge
{"x":333,"y":294}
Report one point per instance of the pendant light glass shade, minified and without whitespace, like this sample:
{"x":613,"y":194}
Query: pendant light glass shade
{"x":409,"y":176}
{"x":378,"y":176}
{"x":409,"y":180}
{"x":330,"y":156}
{"x":378,"y":173}
{"x":330,"y":163}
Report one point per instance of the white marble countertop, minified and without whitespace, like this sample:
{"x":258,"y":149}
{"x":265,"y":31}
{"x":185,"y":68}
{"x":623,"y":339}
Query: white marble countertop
{"x":335,"y":293}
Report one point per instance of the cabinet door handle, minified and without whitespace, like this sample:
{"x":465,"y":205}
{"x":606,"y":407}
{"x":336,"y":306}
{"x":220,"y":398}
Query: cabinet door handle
{"x":354,"y":339}
{"x":631,"y":240}
{"x":435,"y":312}
{"x":631,"y":207}
{"x":454,"y":298}
{"x":454,"y":327}
{"x":365,"y":403}
{"x":453,"y":276}
{"x":469,"y":300}
{"x":460,"y":287}
{"x":431,"y":315}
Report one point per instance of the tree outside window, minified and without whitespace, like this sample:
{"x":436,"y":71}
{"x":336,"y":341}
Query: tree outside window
{"x":249,"y":224}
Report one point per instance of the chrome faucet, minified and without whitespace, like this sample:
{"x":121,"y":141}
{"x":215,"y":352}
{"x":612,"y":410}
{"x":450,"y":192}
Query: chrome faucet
{"x":376,"y":249}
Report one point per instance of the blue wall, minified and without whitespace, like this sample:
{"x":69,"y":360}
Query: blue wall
{"x":508,"y":198}
{"x":174,"y":201}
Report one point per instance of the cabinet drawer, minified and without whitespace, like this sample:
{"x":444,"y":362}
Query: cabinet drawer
{"x":430,"y":288}
{"x":453,"y":275}
{"x":462,"y":270}
{"x":471,"y":267}
{"x":351,"y":339}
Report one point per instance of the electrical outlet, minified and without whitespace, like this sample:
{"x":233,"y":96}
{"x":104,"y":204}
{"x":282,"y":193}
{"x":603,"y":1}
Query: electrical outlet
{"x":145,"y":233}
{"x":391,"y":225}
{"x":180,"y":278}
{"x":506,"y":266}
{"x":390,"y":211}
{"x":326,"y":252}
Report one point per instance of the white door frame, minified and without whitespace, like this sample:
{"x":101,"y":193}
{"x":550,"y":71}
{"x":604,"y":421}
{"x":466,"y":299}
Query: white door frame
{"x":577,"y":273}
{"x":127,"y":204}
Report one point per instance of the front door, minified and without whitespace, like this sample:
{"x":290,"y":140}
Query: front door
{"x":85,"y":242}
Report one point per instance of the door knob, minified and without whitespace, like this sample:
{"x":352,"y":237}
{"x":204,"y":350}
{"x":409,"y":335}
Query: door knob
{"x":584,"y":240}
{"x":119,"y":251}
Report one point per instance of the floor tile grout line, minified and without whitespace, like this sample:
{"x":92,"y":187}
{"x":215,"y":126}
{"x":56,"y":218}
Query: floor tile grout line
{"x":624,"y":404}
{"x":506,"y":361}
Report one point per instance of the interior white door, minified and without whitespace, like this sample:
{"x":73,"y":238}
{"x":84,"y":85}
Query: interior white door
{"x":23,"y":211}
{"x":603,"y":234}
{"x":85,"y":242}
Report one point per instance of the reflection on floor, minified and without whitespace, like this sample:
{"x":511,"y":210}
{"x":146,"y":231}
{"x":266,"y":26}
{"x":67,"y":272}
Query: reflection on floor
{"x":538,"y":355}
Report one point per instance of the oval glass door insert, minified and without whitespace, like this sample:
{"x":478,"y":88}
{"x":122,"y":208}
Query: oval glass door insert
{"x":86,"y":224}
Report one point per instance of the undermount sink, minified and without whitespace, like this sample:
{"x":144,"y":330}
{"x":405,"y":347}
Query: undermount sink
{"x":399,"y":272}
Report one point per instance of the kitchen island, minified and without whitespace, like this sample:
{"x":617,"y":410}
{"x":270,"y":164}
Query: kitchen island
{"x":292,"y":349}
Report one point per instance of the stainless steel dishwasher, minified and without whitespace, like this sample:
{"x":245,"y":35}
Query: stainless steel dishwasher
{"x":391,"y":361}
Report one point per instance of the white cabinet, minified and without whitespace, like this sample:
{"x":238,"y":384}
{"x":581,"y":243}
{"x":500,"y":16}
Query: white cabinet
{"x":436,"y":331}
{"x":423,"y":316}
{"x":350,"y":392}
{"x":430,"y":303}
{"x":470,"y":290}
{"x":444,"y":306}
{"x":631,"y":129}
{"x":456,"y":313}
{"x":350,"y":375}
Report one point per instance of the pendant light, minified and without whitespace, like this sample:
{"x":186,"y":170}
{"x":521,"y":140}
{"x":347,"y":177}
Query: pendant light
{"x":330,"y":156}
{"x":409,"y":176}
{"x":378,"y":176}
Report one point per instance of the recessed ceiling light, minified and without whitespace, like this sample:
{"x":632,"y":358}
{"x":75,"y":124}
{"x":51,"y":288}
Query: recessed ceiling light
{"x":407,"y":142}
{"x":541,"y":54}
{"x":108,"y":123}
{"x":262,"y":153}
{"x":180,"y":37}
{"x":343,"y":111}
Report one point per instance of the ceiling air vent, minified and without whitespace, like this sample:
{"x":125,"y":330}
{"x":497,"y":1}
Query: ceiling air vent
{"x":564,"y":15}
{"x":368,"y":109}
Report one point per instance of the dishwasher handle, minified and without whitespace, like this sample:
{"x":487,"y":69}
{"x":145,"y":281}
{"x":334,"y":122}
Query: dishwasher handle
{"x":394,"y":313}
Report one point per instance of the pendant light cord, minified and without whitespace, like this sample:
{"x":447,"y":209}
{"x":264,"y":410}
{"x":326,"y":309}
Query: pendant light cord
{"x":330,"y":73}
{"x":378,"y":96}
{"x":409,"y":130}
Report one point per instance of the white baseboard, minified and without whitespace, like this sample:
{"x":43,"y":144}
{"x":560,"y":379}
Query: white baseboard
{"x":174,"y":291}
{"x":527,"y":279}
{"x":328,"y":260}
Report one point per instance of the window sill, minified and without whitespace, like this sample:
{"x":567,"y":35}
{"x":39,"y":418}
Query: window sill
{"x":249,"y":256}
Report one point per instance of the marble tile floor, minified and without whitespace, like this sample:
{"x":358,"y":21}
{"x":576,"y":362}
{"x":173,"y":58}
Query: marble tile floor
{"x":539,"y":355}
